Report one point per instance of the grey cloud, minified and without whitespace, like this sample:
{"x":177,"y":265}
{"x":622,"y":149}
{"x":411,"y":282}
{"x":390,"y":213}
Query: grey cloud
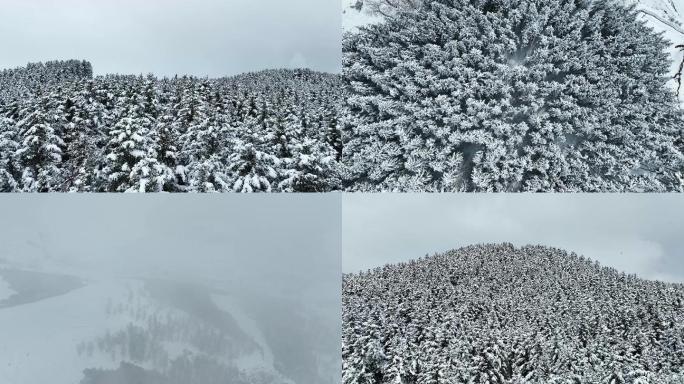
{"x":634,"y":233}
{"x":203,"y":38}
{"x":204,"y":237}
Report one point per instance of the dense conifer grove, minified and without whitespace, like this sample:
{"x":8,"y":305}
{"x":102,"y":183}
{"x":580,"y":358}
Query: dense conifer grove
{"x":501,"y":314}
{"x":510,"y":95}
{"x":61,"y":129}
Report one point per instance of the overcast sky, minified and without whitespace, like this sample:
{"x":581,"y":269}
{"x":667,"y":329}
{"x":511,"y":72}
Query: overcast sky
{"x":636,"y":233}
{"x":286,"y":243}
{"x":166,"y":37}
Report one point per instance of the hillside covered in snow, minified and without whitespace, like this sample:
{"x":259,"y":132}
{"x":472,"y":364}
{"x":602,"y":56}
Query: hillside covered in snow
{"x":502,"y":314}
{"x":61,"y":129}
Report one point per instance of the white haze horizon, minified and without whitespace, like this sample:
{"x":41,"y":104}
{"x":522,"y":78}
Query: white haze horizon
{"x":210,"y":38}
{"x":634,"y":233}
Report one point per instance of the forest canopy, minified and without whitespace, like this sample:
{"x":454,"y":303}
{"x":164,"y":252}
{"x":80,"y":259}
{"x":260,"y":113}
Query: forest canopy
{"x":61,"y":129}
{"x":510,"y":95}
{"x":496,"y":313}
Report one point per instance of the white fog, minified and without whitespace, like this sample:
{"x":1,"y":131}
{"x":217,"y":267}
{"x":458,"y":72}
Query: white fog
{"x":170,"y":289}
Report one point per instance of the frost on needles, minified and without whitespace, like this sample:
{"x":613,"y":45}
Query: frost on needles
{"x":63,"y":130}
{"x":497,"y":314}
{"x":511,"y":95}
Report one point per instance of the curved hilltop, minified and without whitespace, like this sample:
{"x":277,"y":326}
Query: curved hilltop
{"x":501,"y":314}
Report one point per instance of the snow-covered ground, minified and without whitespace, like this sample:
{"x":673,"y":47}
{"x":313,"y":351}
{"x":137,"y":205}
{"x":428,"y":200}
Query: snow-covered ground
{"x":261,"y":359}
{"x":39,"y":339}
{"x":353,"y":16}
{"x":5,"y":290}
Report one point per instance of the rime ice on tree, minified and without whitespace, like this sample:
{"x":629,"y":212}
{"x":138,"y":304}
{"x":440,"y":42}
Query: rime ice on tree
{"x":63,"y":130}
{"x":507,"y":315}
{"x":521,"y":95}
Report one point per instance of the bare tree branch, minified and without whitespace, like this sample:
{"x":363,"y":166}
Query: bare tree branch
{"x":670,"y":24}
{"x":678,"y":75}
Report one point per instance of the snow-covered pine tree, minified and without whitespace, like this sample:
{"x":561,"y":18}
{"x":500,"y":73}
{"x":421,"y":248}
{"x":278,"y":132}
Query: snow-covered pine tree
{"x":495,"y":313}
{"x":39,"y":155}
{"x":184,"y":126}
{"x":153,"y":173}
{"x":148,"y":175}
{"x":132,"y":164}
{"x":252,"y":170}
{"x":209,"y":175}
{"x":311,"y":169}
{"x":166,"y":146}
{"x":518,"y":95}
{"x":278,"y":136}
{"x":83,"y":137}
{"x":8,"y":147}
{"x":206,"y":143}
{"x":333,"y":135}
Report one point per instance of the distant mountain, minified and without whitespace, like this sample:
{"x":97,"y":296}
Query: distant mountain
{"x":502,"y":314}
{"x":61,"y":129}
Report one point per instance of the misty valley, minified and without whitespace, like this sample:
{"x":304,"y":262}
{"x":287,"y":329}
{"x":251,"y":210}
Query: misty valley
{"x":87,"y":328}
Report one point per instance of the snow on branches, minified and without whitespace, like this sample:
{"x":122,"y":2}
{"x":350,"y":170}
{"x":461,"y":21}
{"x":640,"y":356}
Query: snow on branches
{"x":501,"y":314}
{"x":515,"y":95}
{"x":63,"y":130}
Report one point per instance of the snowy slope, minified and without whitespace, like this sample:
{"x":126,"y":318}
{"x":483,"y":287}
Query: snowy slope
{"x":38,"y":348}
{"x":496,"y":313}
{"x":262,"y":358}
{"x":5,"y":290}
